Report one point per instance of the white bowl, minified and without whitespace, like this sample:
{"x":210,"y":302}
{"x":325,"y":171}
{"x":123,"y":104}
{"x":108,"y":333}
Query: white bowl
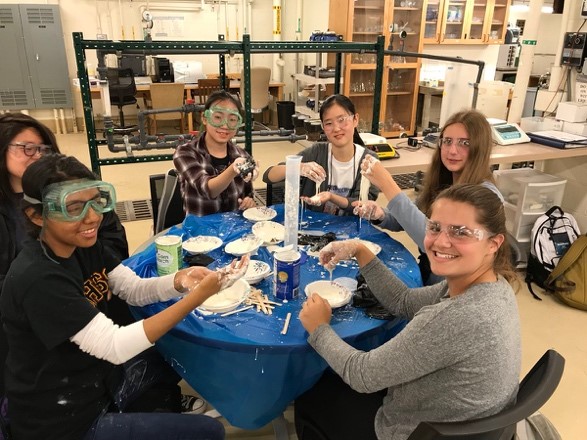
{"x":227,"y":299}
{"x":259,"y":213}
{"x":201,"y":244}
{"x":247,"y":244}
{"x":270,"y":232}
{"x":336,"y":294}
{"x":256,"y":271}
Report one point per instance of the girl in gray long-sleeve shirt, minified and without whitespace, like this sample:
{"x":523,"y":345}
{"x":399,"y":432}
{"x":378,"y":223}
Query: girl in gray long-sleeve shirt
{"x":458,"y":358}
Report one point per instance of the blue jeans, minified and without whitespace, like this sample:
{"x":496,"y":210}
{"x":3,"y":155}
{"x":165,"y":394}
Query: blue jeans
{"x":155,"y":426}
{"x":141,"y":374}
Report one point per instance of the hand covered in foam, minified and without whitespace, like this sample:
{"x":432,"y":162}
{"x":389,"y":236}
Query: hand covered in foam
{"x":336,"y":251}
{"x":312,"y":171}
{"x":317,"y":200}
{"x":373,"y":170}
{"x":369,"y":210}
{"x":188,"y":279}
{"x":228,"y":275}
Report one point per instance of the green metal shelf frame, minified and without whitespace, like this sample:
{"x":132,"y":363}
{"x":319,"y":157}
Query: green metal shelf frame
{"x":221,"y":48}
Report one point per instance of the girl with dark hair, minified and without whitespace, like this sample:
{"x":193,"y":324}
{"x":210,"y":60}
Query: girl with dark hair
{"x":214,"y":174}
{"x":69,"y":365}
{"x":331,"y":178}
{"x":462,"y":156}
{"x":457,"y":359}
{"x":23,"y":140}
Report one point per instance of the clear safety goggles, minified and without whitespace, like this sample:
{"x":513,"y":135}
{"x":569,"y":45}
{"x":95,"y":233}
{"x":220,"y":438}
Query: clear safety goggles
{"x":69,"y":201}
{"x":456,"y":233}
{"x":219,"y":116}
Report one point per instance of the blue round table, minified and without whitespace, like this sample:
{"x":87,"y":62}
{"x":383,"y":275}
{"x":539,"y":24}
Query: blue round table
{"x":242,"y":364}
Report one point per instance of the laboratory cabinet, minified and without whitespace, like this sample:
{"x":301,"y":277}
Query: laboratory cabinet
{"x":34,"y":65}
{"x":400,"y":22}
{"x":465,"y":21}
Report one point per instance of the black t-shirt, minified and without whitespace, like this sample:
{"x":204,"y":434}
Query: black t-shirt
{"x":55,"y":390}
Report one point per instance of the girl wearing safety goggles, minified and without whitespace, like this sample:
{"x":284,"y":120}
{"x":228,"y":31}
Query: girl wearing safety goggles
{"x":331,"y":170}
{"x":23,"y":141}
{"x":462,"y":156}
{"x":458,"y":358}
{"x":214,"y":174}
{"x":66,"y":355}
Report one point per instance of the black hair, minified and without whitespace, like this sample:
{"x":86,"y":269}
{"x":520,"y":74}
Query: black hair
{"x":50,"y":169}
{"x":223,"y":95}
{"x":345,"y":103}
{"x":11,"y":125}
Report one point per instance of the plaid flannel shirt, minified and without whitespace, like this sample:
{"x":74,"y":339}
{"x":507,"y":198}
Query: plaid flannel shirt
{"x":194,"y":167}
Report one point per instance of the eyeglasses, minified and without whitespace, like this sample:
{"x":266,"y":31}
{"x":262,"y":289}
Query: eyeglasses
{"x":456,"y":233}
{"x":218,"y":117}
{"x":461,"y":144}
{"x":341,"y":122}
{"x":31,"y":150}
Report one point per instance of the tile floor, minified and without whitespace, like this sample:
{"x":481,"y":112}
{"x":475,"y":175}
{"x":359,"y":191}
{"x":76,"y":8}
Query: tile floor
{"x":546,"y":324}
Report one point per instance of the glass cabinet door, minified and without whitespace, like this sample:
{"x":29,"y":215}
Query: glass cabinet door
{"x":496,"y":21}
{"x":477,"y":21}
{"x":453,"y":29}
{"x":433,"y":21}
{"x":405,"y":28}
{"x":368,"y":18}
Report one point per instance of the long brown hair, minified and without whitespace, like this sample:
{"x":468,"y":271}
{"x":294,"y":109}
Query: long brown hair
{"x":476,"y":169}
{"x":490,"y":213}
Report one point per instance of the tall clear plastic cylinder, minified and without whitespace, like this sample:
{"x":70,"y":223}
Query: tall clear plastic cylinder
{"x":292,"y":199}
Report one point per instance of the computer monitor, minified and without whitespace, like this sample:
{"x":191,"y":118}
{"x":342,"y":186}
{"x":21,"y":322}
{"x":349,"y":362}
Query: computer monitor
{"x":137,"y":63}
{"x":188,"y":71}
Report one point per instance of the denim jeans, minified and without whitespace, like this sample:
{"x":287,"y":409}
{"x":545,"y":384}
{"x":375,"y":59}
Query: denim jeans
{"x":141,"y":407}
{"x":155,"y":426}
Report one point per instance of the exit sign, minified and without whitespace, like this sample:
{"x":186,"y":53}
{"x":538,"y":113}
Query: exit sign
{"x":529,"y":42}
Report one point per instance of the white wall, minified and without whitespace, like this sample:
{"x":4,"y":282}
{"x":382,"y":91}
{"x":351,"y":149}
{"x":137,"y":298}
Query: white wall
{"x":121,"y":19}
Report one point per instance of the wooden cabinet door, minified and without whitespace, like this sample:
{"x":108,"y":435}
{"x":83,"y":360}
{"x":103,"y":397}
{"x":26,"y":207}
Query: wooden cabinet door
{"x":496,"y":19}
{"x":434,"y":11}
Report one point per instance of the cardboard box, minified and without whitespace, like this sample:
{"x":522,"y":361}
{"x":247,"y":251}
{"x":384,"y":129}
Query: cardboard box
{"x":572,"y":111}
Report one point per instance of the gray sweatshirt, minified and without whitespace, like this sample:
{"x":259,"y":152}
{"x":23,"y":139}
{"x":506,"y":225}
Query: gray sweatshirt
{"x":457,"y":358}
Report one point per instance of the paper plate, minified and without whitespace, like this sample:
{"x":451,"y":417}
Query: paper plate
{"x":244,"y":245}
{"x":270,"y":232}
{"x":227,"y":299}
{"x":336,"y":294}
{"x":201,"y":244}
{"x":259,"y":213}
{"x":256,"y":271}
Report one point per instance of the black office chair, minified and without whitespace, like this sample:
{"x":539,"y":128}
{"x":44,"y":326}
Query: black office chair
{"x":275,"y":193}
{"x":535,"y":390}
{"x":166,"y":201}
{"x":122,"y":89}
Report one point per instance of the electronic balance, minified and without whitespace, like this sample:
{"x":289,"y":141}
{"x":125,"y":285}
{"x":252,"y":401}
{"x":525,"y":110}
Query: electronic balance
{"x":379,"y":145}
{"x":506,"y":133}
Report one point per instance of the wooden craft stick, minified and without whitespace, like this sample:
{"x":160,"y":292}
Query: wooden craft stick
{"x":286,"y":324}
{"x":232,"y":312}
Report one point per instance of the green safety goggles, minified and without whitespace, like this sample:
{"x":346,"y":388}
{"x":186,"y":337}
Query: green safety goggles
{"x":69,"y":201}
{"x":219,"y":116}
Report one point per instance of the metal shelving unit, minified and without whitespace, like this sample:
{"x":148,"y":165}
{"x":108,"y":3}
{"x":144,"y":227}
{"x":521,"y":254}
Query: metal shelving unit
{"x":302,"y":78}
{"x":222,"y":48}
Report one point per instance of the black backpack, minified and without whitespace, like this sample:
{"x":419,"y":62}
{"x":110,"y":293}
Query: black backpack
{"x":552,"y":234}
